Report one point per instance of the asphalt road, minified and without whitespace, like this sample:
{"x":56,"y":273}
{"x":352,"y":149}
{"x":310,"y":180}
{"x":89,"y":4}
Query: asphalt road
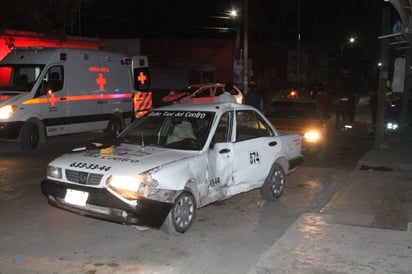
{"x":227,"y":237}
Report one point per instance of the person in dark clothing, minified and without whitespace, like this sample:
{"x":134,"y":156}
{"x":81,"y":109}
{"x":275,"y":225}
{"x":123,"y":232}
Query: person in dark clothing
{"x":252,"y":98}
{"x":351,"y":107}
{"x":373,"y":105}
{"x":341,"y":112}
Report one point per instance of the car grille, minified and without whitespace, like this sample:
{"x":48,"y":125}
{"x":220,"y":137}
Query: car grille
{"x":84,"y":178}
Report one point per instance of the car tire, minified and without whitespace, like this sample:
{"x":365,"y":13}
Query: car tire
{"x":181,"y":216}
{"x":30,"y":136}
{"x":274,"y":183}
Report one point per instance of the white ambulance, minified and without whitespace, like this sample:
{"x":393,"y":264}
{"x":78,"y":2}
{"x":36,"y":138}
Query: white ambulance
{"x":47,"y":92}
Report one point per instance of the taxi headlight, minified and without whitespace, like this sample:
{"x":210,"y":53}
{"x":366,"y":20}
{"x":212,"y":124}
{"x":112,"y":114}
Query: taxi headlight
{"x":131,"y":187}
{"x":54,"y":172}
{"x":312,"y":136}
{"x":7,"y":111}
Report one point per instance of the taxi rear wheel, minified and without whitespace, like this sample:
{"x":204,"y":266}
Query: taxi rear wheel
{"x":181,"y":216}
{"x":274,"y":184}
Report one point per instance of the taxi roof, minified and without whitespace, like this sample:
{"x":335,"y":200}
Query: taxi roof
{"x":214,"y":107}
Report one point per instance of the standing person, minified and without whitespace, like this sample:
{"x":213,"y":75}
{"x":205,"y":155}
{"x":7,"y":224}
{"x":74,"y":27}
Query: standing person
{"x":226,"y":96}
{"x":252,"y":98}
{"x":323,"y":100}
{"x":352,"y":101}
{"x":341,"y":112}
{"x":373,"y":106}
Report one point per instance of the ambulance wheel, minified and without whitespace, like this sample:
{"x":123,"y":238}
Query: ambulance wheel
{"x":115,"y":126}
{"x":30,"y":136}
{"x":181,"y":216}
{"x":274,"y":184}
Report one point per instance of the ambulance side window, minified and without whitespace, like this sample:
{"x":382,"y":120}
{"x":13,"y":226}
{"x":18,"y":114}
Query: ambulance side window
{"x":55,"y":78}
{"x":53,"y":81}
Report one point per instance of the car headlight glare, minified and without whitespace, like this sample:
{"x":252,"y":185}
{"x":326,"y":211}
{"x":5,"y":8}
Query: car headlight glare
{"x":54,"y":172}
{"x":7,"y":111}
{"x":131,"y":187}
{"x":392,"y":126}
{"x":312,"y":136}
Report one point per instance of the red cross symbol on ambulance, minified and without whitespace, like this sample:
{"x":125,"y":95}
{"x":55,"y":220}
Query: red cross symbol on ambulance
{"x":100,"y":80}
{"x":142,"y":78}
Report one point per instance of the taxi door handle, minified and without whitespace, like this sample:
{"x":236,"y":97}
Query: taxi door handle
{"x":63,"y":98}
{"x":225,"y":150}
{"x":272,"y":144}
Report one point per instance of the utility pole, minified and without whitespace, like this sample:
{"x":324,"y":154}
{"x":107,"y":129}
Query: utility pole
{"x":245,"y":48}
{"x":383,"y":76}
{"x":406,"y":93}
{"x":298,"y":44}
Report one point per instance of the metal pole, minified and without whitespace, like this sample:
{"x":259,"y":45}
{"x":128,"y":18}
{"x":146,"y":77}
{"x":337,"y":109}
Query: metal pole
{"x":298,"y":54}
{"x":383,"y":76}
{"x":406,"y":93}
{"x":245,"y":48}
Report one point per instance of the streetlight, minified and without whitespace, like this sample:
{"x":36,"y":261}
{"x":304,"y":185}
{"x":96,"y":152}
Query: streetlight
{"x":234,"y":15}
{"x":350,"y":41}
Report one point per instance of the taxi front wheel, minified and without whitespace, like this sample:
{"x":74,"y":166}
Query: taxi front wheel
{"x":274,"y":184}
{"x":181,"y":216}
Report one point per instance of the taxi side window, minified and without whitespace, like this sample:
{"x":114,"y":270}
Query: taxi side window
{"x":250,"y":125}
{"x":224,"y":129}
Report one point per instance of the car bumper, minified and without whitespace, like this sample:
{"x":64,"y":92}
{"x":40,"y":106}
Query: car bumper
{"x":103,"y":205}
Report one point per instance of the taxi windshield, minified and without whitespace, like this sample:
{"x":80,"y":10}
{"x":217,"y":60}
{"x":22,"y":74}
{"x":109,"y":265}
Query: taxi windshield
{"x":187,"y":130}
{"x":19,"y":77}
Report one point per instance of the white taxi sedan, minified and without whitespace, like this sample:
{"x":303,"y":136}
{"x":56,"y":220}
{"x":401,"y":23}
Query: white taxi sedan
{"x":169,"y":163}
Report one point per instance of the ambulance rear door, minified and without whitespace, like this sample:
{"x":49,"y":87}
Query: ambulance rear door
{"x":86,"y":83}
{"x":141,"y":79}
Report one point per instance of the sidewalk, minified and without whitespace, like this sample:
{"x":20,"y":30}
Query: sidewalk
{"x":366,"y":228}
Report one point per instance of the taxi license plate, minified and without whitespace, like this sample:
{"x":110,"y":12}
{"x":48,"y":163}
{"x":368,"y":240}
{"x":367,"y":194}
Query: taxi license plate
{"x":76,"y":197}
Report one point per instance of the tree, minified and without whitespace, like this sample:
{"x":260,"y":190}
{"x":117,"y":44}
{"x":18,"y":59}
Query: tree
{"x":46,"y":16}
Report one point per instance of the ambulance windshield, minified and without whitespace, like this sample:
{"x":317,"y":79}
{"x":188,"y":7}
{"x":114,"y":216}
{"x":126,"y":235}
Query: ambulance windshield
{"x":19,"y":77}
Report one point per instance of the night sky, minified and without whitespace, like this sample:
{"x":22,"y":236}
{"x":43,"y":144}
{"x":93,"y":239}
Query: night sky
{"x":268,"y":20}
{"x":325,"y":23}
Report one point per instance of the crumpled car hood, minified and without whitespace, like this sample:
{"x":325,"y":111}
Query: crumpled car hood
{"x":125,"y":159}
